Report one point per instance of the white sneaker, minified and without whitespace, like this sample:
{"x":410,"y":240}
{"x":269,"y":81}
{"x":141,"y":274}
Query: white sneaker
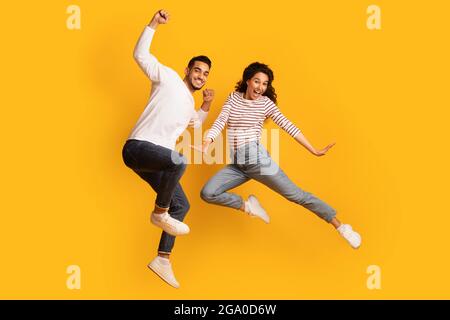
{"x":352,"y":237}
{"x":163,"y":268}
{"x":168,"y":224}
{"x":254,"y":209}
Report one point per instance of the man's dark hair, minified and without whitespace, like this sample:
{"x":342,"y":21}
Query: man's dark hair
{"x":204,"y":59}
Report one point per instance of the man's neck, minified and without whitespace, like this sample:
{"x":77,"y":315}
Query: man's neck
{"x":189,"y":86}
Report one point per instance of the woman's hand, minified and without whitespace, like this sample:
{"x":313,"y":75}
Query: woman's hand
{"x":322,"y":152}
{"x":204,"y":146}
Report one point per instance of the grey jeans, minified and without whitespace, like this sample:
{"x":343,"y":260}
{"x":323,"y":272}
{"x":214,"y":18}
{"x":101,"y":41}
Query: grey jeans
{"x":252,"y":161}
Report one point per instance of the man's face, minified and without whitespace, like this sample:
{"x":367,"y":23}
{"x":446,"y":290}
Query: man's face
{"x":197,"y":75}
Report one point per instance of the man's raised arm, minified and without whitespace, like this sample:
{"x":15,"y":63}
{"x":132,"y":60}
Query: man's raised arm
{"x":148,"y":62}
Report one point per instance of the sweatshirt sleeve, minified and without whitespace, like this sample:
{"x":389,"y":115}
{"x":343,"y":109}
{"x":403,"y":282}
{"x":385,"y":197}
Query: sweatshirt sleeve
{"x":198,"y":118}
{"x":272,"y":111}
{"x":152,"y":68}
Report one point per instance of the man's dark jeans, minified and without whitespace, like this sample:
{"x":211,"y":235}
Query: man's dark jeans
{"x":162,"y":169}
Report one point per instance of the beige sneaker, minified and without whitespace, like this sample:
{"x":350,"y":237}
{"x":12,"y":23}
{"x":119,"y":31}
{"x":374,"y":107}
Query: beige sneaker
{"x":352,"y":237}
{"x":169,"y":224}
{"x":254,"y":209}
{"x":163,"y":268}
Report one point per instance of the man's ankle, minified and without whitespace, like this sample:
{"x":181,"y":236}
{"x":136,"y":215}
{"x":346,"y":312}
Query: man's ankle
{"x":159,"y":210}
{"x":164,"y":255}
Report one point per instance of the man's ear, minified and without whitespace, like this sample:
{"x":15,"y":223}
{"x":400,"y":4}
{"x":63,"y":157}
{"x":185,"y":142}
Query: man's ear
{"x":186,"y":71}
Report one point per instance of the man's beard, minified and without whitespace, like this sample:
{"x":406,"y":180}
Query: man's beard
{"x":195,"y":87}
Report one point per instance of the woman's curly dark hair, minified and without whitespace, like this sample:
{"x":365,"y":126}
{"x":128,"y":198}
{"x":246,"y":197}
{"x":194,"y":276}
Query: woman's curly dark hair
{"x":250,"y":71}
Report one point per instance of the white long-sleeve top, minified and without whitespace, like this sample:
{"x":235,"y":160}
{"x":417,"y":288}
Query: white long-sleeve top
{"x":170,"y":108}
{"x":245,"y":118}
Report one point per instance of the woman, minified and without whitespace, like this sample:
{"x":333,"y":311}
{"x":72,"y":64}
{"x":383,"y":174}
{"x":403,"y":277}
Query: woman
{"x":244,"y":113}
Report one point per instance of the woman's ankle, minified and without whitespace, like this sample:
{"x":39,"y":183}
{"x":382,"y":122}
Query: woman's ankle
{"x":336,"y":223}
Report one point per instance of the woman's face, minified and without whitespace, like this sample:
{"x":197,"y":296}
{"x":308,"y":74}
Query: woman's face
{"x":256,"y":86}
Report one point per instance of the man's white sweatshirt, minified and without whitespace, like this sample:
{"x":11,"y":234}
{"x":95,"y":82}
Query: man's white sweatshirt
{"x":170,"y":108}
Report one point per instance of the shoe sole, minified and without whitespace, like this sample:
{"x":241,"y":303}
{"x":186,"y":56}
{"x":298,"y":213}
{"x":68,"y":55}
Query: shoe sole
{"x":172,"y":234}
{"x":162,"y":278}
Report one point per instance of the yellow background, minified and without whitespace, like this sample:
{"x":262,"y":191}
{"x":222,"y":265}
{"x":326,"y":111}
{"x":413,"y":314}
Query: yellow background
{"x":71,"y":97}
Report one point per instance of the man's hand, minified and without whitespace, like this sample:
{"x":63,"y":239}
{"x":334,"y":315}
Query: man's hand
{"x":160,"y":17}
{"x":208,"y":95}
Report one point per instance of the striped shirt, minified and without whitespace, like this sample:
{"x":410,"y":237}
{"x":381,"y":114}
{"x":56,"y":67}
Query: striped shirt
{"x":245,"y":119}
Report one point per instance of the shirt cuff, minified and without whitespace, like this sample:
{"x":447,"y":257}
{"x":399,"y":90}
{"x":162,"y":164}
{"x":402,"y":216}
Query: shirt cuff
{"x":202,"y":114}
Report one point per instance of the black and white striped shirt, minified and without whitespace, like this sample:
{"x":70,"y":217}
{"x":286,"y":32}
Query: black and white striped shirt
{"x":244,"y":119}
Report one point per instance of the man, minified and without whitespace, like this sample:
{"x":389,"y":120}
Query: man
{"x":150,"y":148}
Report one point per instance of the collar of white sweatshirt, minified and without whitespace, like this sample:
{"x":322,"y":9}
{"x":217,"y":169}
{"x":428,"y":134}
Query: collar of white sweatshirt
{"x":170,"y":109}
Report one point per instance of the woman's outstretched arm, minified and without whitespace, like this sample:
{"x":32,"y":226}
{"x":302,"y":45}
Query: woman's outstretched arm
{"x":300,"y":138}
{"x":272,"y":111}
